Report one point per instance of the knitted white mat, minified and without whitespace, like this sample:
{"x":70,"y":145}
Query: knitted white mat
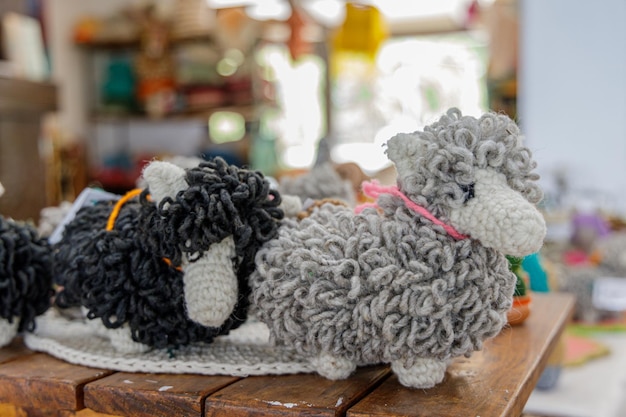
{"x":245,"y":351}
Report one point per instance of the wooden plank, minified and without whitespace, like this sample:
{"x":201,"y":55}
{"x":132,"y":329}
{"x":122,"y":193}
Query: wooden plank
{"x":24,"y":96}
{"x":496,"y":381}
{"x":86,"y":412}
{"x":14,"y":350}
{"x":153,"y":395}
{"x":10,"y":410}
{"x":40,"y":381}
{"x":291,"y":395}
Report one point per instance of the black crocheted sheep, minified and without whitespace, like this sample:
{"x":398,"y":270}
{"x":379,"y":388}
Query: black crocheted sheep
{"x":173,"y":268}
{"x":419,"y":278}
{"x":25,"y":278}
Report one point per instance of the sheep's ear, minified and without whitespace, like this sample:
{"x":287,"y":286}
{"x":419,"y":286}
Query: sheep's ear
{"x":164,"y":179}
{"x":403,"y":150}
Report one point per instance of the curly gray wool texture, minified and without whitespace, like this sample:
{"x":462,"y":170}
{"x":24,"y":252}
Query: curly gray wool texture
{"x":321,"y":182}
{"x":454,"y":147}
{"x":391,"y":286}
{"x":373,"y":288}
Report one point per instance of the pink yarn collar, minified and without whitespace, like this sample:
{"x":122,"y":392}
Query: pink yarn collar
{"x":374,"y":189}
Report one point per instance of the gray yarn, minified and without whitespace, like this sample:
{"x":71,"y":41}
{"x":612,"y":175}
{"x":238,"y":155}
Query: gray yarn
{"x":390,"y":287}
{"x":378,"y":289}
{"x":320,"y":182}
{"x":457,"y":146}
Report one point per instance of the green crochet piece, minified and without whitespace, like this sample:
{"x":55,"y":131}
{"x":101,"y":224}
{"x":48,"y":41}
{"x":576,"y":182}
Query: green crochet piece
{"x":515,"y":266}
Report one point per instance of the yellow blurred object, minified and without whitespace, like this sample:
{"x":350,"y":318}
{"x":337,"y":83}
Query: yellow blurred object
{"x":86,"y":29}
{"x":363,"y":31}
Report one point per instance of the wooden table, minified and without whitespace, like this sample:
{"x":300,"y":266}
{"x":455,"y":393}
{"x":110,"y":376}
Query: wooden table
{"x":494,"y":382}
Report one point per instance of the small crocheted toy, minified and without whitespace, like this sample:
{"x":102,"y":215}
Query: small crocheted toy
{"x":25,"y":278}
{"x":607,"y":260}
{"x":342,"y":181}
{"x":419,"y":278}
{"x":520,"y":310}
{"x":172,"y":267}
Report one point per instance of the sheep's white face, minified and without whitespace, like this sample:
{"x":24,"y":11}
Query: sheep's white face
{"x":499,"y":217}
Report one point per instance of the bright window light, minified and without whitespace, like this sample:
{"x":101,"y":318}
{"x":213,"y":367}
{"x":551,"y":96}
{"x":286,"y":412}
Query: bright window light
{"x":226,"y":67}
{"x":369,"y":156}
{"x":267,"y":10}
{"x":332,"y":12}
{"x":220,"y":4}
{"x":299,"y":156}
{"x":226,"y":126}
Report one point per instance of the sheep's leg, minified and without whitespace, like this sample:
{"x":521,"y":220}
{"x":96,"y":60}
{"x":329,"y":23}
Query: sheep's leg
{"x":123,"y":342}
{"x":210,"y":285}
{"x":333,"y":367}
{"x":121,"y":339}
{"x":425,"y":373}
{"x":8,"y":330}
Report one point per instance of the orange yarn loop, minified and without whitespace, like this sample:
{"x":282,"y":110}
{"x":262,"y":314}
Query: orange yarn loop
{"x":118,"y":207}
{"x":116,"y":212}
{"x":169,"y":263}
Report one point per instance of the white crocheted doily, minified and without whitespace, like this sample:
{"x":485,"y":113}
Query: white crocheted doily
{"x":246,"y":351}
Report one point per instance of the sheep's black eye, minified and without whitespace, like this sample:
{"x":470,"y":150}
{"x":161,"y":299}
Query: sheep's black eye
{"x":468,"y":192}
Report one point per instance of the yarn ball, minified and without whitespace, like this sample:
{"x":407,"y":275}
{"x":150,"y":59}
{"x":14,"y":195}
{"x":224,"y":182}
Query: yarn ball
{"x":25,"y":274}
{"x":120,"y":276}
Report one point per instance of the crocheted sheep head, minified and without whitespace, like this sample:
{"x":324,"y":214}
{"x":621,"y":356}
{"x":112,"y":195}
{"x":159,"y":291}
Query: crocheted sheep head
{"x":475,"y":175}
{"x":215,"y":217}
{"x":25,"y":278}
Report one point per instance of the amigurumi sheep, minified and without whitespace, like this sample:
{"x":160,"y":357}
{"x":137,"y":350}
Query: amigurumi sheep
{"x":323,"y":181}
{"x":25,"y":278}
{"x":421,"y":277}
{"x":172,"y":268}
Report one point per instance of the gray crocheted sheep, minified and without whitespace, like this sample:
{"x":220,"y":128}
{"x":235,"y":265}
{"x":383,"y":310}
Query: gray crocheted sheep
{"x":321,"y":182}
{"x":420,"y":278}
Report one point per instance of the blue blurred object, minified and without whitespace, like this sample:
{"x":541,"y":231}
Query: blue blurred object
{"x":536,"y":273}
{"x":549,"y":377}
{"x":119,"y":84}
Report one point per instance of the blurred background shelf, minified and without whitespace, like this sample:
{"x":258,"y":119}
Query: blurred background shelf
{"x":23,"y":105}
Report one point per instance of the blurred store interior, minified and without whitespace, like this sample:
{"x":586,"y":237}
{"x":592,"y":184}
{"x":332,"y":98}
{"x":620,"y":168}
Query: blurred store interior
{"x":91,"y":90}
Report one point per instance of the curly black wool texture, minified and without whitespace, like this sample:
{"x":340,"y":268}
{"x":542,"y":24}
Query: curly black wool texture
{"x":120,"y":276}
{"x":25,"y":274}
